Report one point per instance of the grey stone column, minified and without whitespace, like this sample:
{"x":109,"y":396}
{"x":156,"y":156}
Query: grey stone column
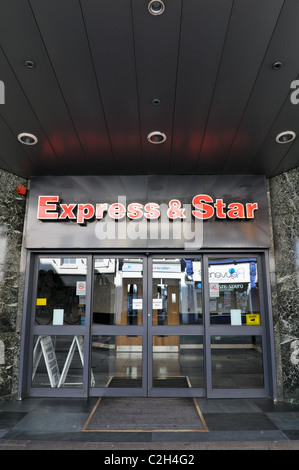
{"x":12,"y":213}
{"x":284,"y":199}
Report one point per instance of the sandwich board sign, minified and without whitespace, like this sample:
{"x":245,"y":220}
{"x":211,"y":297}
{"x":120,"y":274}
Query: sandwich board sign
{"x":44,"y":347}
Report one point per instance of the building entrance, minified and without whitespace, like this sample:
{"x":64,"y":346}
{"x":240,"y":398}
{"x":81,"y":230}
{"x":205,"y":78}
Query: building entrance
{"x":151,"y":309}
{"x":147,"y":325}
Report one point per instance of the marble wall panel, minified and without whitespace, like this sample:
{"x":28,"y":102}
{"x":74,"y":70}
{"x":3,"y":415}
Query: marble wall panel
{"x":12,"y":213}
{"x":284,"y":198}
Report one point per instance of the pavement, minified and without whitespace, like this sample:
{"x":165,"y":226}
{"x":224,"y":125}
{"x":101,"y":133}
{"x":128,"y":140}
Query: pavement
{"x":229,"y":424}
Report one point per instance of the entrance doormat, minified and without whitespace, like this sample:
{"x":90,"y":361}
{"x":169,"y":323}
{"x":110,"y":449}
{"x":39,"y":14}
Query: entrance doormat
{"x":146,"y":414}
{"x":169,"y":382}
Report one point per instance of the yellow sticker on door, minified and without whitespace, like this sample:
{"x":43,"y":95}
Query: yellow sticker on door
{"x":41,"y":301}
{"x":253,"y":319}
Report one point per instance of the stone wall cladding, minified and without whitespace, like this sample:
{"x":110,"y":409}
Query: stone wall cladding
{"x":12,"y":214}
{"x":284,"y":197}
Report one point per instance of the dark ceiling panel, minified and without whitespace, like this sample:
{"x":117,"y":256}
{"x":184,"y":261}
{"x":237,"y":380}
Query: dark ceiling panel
{"x":249,"y":32}
{"x":99,"y":64}
{"x":156,"y":48}
{"x":290,"y":160}
{"x":199,"y":56}
{"x":21,"y":40}
{"x":19,"y":117}
{"x":110,"y":34}
{"x":13,"y":157}
{"x":68,"y":49}
{"x":272,"y":154}
{"x":271,"y":91}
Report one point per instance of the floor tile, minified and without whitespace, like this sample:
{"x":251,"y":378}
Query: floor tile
{"x":221,"y":436}
{"x":67,"y":405}
{"x":292,"y":435}
{"x":269,"y":406}
{"x":285,"y":420}
{"x":62,"y":420}
{"x":31,"y":435}
{"x":238,"y":422}
{"x":45,"y":422}
{"x":227,"y":406}
{"x":9,"y":419}
{"x":20,"y":405}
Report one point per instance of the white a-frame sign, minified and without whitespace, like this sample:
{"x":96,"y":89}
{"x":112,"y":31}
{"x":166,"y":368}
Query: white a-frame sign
{"x":79,"y":343}
{"x":44,"y":346}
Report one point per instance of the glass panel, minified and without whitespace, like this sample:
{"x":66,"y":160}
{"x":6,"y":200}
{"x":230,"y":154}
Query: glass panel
{"x":177,"y":292}
{"x":58,"y":361}
{"x":61,"y":291}
{"x":234,"y":292}
{"x":116,"y":361}
{"x":237,"y":362}
{"x":178,"y":361}
{"x":117,"y":293}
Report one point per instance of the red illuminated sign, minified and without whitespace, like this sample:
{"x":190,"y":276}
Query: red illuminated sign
{"x":204,"y":208}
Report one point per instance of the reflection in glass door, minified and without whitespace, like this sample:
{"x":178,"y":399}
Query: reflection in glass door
{"x":176,"y":336}
{"x":236,"y":336}
{"x":118,"y":327}
{"x":60,"y":303}
{"x":148,"y":325}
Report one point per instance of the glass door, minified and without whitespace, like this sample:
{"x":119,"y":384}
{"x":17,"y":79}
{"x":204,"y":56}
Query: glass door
{"x":175,"y":327}
{"x":59,"y":317}
{"x":207,"y":327}
{"x":118,"y":339}
{"x":147,"y":325}
{"x":236,"y":327}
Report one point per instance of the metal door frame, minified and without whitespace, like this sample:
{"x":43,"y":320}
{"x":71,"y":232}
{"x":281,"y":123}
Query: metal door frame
{"x":147,"y":329}
{"x":228,"y":330}
{"x":190,"y":330}
{"x":140,"y":330}
{"x":30,"y":329}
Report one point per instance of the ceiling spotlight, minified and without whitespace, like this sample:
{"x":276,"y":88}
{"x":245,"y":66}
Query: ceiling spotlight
{"x":27,"y":139}
{"x":285,"y":137}
{"x":156,"y":7}
{"x":156,"y":102}
{"x":276,"y":65}
{"x":156,"y":137}
{"x":30,"y":64}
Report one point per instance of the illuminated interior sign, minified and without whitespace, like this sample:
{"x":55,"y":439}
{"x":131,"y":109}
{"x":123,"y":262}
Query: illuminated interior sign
{"x":204,"y":207}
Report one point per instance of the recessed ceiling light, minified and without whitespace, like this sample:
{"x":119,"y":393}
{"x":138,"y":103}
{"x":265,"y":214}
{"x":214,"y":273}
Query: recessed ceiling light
{"x":156,"y":7}
{"x":277,"y":65}
{"x":285,"y":137}
{"x":27,"y":139}
{"x":156,"y":101}
{"x":156,"y":137}
{"x":30,"y":64}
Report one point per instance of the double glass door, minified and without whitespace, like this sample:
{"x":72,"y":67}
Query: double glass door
{"x":148,"y":326}
{"x":147,"y":330}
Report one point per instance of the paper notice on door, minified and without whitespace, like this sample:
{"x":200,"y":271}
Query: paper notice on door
{"x":157,"y":304}
{"x":58,"y":314}
{"x":137,"y":304}
{"x":235,"y":317}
